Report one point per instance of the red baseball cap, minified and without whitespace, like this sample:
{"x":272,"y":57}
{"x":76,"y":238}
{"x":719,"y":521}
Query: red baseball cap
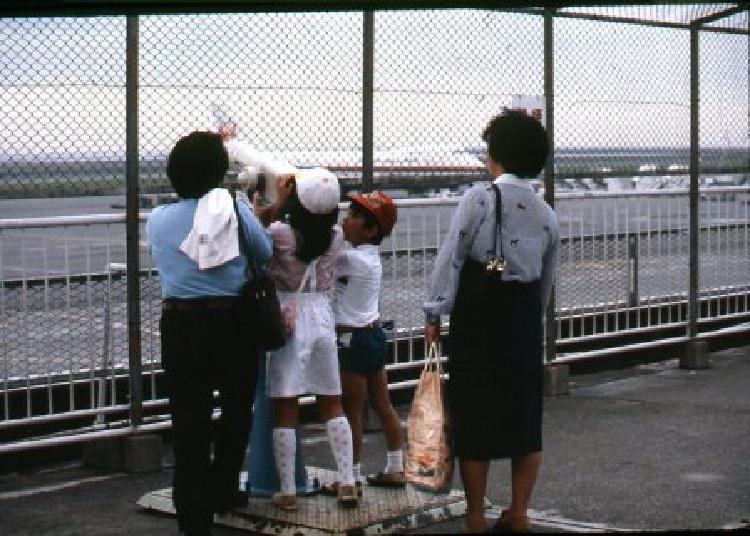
{"x":379,"y":205}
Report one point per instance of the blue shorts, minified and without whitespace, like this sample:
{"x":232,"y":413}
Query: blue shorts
{"x":366,"y":353}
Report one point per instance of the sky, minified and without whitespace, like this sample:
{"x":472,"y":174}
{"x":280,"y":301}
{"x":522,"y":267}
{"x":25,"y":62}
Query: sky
{"x":294,"y":81}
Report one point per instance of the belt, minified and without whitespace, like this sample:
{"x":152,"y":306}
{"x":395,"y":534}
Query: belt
{"x":351,"y":329}
{"x":199,"y":304}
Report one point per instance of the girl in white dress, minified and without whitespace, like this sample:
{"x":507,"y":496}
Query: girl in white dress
{"x":304,"y":254}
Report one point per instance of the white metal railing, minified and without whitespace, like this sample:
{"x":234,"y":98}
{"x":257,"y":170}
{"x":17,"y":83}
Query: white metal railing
{"x":623,"y":268}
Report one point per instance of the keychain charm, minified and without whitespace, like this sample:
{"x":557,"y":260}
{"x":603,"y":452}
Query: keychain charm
{"x":495,"y":265}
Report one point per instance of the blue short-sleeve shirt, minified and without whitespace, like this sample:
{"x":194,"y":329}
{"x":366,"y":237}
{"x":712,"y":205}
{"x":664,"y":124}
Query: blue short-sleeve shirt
{"x":169,"y":225}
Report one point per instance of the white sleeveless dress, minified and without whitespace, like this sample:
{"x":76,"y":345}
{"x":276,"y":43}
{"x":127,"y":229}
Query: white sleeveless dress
{"x":308,"y":362}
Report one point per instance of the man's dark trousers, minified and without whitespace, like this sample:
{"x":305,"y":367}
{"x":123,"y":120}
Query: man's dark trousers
{"x":205,"y":350}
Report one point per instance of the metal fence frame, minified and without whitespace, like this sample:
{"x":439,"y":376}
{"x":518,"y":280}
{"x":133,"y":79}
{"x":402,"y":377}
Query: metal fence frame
{"x":102,"y":384}
{"x":695,"y":27}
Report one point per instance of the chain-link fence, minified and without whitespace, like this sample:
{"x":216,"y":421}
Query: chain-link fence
{"x":63,"y":107}
{"x":293,"y":82}
{"x":394,"y":100}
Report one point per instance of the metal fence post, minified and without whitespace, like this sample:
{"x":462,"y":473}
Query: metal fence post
{"x":368,"y":46}
{"x":550,"y":328}
{"x":131,"y":221}
{"x":633,"y":298}
{"x":694,"y":195}
{"x":106,"y":347}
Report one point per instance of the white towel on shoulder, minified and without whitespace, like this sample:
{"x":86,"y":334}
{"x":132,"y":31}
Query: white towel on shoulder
{"x":213,"y":239}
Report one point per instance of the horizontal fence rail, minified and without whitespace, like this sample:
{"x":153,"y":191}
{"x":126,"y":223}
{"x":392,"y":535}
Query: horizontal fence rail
{"x":622,"y":270}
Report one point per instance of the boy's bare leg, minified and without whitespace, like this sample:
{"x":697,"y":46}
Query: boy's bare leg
{"x":392,"y":474}
{"x":377,"y":388}
{"x":354,"y":388}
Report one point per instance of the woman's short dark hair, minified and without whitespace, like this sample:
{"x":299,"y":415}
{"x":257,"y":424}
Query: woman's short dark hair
{"x":518,"y":142}
{"x":197,"y":164}
{"x":313,"y":232}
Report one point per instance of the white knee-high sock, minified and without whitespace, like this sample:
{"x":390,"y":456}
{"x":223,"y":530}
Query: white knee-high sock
{"x":284,"y":452}
{"x":340,"y":438}
{"x":394,"y":461}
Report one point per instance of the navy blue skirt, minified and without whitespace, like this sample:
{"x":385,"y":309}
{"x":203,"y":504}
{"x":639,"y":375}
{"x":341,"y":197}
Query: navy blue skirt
{"x":495,"y":364}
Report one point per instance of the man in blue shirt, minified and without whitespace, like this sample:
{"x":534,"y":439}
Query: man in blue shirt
{"x":207,"y":340}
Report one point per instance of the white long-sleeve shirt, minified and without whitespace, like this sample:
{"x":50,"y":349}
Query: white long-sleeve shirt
{"x":244,"y":153}
{"x":530,"y":238}
{"x":263,"y":162}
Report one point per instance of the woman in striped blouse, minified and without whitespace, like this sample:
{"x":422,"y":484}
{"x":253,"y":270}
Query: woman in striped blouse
{"x":493,"y":276}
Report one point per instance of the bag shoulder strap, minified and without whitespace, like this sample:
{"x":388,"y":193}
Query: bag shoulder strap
{"x":244,"y":247}
{"x":498,"y":221}
{"x":309,"y":275}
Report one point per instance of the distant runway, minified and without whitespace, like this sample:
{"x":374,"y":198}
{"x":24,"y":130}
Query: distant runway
{"x":85,"y":249}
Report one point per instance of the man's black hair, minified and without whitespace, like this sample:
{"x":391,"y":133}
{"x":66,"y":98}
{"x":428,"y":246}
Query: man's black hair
{"x":197,"y":164}
{"x":518,"y":142}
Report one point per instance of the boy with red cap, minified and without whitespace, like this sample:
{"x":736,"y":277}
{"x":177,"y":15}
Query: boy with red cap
{"x":361,"y":340}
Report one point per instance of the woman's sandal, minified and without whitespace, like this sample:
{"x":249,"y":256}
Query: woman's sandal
{"x":387,"y":480}
{"x":332,"y":489}
{"x":476,"y":530}
{"x":506,"y":524}
{"x":475,"y":525}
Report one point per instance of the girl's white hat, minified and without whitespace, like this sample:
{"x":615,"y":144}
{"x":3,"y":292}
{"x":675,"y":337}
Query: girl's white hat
{"x":318,"y":190}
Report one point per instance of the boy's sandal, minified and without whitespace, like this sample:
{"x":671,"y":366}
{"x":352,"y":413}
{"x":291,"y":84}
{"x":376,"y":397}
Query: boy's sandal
{"x":284,"y":502}
{"x":349,"y":495}
{"x":387,"y":480}
{"x":332,"y":489}
{"x":506,"y":524}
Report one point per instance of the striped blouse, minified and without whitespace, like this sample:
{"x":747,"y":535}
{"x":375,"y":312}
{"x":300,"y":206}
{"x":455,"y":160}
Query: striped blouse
{"x":530,"y":238}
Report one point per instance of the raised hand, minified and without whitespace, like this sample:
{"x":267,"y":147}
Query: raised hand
{"x":227,"y":130}
{"x":284,"y":185}
{"x":431,"y":333}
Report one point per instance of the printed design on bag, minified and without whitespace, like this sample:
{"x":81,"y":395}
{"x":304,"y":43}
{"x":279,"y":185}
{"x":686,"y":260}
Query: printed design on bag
{"x":426,"y":465}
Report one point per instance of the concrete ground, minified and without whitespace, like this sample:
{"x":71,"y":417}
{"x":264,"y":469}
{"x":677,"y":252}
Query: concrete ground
{"x":650,"y":447}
